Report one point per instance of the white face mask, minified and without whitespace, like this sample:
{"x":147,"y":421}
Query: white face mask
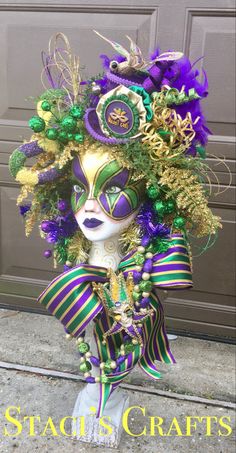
{"x":91,"y":214}
{"x":105,"y":200}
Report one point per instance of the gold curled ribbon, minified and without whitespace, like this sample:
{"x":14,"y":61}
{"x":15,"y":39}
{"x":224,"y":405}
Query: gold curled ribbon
{"x":179,"y":130}
{"x":65,"y":65}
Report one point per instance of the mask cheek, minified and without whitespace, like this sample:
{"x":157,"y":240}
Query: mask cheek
{"x":77,"y":201}
{"x":116,"y":206}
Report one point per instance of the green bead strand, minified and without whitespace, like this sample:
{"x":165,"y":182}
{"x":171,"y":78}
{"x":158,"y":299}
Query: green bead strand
{"x":85,"y":367}
{"x":83,"y":348}
{"x":146,"y":285}
{"x":139,"y":259}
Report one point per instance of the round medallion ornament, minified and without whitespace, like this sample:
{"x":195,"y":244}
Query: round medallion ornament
{"x":121,"y":113}
{"x":120,"y":117}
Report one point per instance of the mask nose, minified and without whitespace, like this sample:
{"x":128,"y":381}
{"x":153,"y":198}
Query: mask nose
{"x":91,"y":205}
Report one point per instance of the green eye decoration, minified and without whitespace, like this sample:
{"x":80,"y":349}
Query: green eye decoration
{"x":113,"y":190}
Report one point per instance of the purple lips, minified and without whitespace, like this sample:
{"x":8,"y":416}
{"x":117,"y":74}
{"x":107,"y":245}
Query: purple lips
{"x":92,"y":223}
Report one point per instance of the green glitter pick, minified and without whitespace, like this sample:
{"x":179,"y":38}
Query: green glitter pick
{"x":16,"y":162}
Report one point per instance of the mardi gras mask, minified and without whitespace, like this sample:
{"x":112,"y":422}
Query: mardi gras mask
{"x":104,"y":192}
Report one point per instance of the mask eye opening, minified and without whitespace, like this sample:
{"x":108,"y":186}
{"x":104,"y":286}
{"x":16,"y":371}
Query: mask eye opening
{"x":78,"y":188}
{"x":113,"y":189}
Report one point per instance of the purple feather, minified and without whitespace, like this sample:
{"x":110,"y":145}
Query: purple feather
{"x":24,"y":209}
{"x":155,"y":54}
{"x":146,"y":218}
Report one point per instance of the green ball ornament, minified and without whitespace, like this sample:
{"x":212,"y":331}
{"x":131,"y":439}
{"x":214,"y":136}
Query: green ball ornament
{"x":70,"y":136}
{"x":68,"y":124}
{"x":104,"y":379}
{"x":170,"y":206}
{"x":136,"y":296}
{"x":150,"y":248}
{"x":107,"y":367}
{"x":179,"y":222}
{"x":76,"y":111}
{"x":37,"y":124}
{"x":51,"y":134}
{"x":139,"y":259}
{"x":62,"y":137}
{"x":153,"y":192}
{"x":159,"y":207}
{"x":129,"y":347}
{"x":83,"y":348}
{"x":46,"y":106}
{"x":79,"y":138}
{"x":145,"y":286}
{"x":85,"y":366}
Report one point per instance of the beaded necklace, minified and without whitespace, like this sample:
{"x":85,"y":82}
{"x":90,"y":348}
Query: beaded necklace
{"x":141,"y":292}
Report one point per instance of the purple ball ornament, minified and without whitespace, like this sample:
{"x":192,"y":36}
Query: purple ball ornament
{"x":47,"y":226}
{"x":24,"y":209}
{"x":126,"y":338}
{"x":148,"y":266}
{"x":145,"y":240}
{"x":90,"y":379}
{"x":52,"y":237}
{"x":95,"y":361}
{"x":120,"y":360}
{"x":137,"y":277}
{"x":47,"y":253}
{"x":62,"y":205}
{"x":144,"y":302}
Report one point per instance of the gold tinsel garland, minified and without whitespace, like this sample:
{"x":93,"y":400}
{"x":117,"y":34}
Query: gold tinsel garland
{"x":130,"y":237}
{"x":32,"y":217}
{"x":189,"y":195}
{"x":79,"y":247}
{"x":66,"y":155}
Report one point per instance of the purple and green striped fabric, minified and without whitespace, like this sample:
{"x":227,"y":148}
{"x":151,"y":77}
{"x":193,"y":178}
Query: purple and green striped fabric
{"x":70,"y":297}
{"x":171,"y":270}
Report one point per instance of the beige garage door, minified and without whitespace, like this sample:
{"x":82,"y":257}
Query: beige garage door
{"x":198,"y":27}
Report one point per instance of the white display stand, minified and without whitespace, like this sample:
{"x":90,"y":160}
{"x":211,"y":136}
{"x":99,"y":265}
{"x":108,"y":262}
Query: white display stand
{"x":89,"y":396}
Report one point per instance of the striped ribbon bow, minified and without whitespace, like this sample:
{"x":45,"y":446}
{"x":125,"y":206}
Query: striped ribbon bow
{"x":70,"y":297}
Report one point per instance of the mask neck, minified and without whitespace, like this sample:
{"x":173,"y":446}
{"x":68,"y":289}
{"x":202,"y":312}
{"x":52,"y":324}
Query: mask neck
{"x":106,"y":253}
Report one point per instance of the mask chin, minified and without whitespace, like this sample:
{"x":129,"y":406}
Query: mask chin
{"x":107,"y":230}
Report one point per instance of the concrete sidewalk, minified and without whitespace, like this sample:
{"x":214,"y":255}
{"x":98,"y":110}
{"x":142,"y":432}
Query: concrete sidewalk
{"x":201,"y":384}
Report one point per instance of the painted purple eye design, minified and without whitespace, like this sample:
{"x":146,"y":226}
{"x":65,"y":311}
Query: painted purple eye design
{"x":78,"y":197}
